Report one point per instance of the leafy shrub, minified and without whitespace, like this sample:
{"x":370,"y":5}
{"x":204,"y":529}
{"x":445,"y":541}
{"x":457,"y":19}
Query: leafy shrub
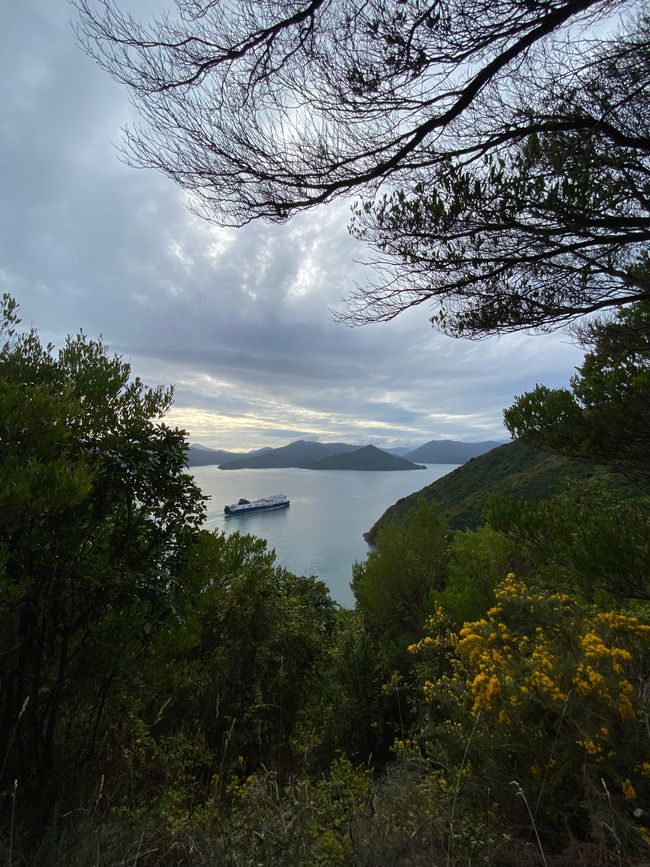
{"x":550,"y":693}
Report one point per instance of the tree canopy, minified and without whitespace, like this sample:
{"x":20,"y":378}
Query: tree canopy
{"x":171,"y":695}
{"x":605,"y":416}
{"x":501,"y":149}
{"x":97,"y":516}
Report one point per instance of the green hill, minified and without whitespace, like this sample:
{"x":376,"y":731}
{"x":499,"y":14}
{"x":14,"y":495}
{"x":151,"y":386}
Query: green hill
{"x":366,"y":458}
{"x":513,"y":469}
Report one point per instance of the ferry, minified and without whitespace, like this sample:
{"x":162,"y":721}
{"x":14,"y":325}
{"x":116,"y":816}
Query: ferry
{"x":244,"y":507}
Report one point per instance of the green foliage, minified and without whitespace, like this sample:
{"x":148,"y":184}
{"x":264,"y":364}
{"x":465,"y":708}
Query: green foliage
{"x":173,"y":696}
{"x":336,"y":800}
{"x":478,"y":559}
{"x":252,"y":644}
{"x":345,"y":713}
{"x":605,"y":418}
{"x":590,"y":539}
{"x":393,"y":587}
{"x":96,"y":518}
{"x":551,"y":694}
{"x":514,"y":469}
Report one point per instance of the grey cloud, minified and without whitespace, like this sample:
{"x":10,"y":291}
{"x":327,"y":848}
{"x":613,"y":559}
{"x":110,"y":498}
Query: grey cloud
{"x":238,"y":319}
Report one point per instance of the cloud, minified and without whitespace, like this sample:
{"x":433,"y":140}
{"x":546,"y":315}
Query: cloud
{"x":237,"y":319}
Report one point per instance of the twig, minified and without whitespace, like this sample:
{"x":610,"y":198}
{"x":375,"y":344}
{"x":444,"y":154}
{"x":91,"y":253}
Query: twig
{"x":460,"y":774}
{"x":13,"y":735}
{"x":11,"y":828}
{"x":522,"y":794}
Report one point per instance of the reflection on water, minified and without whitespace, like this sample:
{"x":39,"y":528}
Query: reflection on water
{"x":321,"y":531}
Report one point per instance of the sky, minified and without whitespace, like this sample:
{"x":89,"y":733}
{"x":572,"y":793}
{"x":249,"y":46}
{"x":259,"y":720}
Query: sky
{"x":237,"y":319}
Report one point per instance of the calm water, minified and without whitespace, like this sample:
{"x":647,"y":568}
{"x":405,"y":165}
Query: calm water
{"x":321,"y":531}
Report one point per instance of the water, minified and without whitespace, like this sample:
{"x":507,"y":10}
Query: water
{"x":321,"y":531}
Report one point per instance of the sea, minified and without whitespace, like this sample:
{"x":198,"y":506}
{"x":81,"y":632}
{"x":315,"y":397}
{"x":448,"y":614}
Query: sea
{"x":321,"y":533}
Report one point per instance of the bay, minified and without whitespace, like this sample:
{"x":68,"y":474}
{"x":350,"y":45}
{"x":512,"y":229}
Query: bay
{"x":321,"y":533}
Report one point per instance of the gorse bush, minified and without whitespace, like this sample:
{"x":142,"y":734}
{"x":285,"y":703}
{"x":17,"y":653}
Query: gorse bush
{"x":550,"y":693}
{"x":171,"y":696}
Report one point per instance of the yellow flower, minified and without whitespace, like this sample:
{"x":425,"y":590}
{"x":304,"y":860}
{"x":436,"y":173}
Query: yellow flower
{"x":486,"y":689}
{"x":628,"y":790}
{"x":625,"y":708}
{"x":591,"y":748}
{"x":428,"y":690}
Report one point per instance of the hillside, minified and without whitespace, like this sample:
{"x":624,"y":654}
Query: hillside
{"x":513,"y":469}
{"x":366,"y":458}
{"x":305,"y":453}
{"x":296,"y":454}
{"x":202,"y":456}
{"x":450,"y":451}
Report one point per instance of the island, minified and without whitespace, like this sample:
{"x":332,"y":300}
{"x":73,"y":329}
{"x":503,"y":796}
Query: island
{"x":366,"y":458}
{"x":309,"y":454}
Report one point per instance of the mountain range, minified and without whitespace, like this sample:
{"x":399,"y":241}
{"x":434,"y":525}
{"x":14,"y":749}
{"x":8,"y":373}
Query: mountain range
{"x":450,"y":451}
{"x":316,"y":455}
{"x":296,"y":454}
{"x":321,"y":456}
{"x":202,"y":456}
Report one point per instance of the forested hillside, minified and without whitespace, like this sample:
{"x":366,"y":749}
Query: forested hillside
{"x":514,"y":469}
{"x":173,"y":696}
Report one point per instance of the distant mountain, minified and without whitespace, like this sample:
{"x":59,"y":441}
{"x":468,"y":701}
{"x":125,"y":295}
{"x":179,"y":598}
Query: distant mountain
{"x":297,"y":454}
{"x":366,"y":458}
{"x":306,"y":453}
{"x":449,"y":451}
{"x":202,"y":456}
{"x":513,"y":469}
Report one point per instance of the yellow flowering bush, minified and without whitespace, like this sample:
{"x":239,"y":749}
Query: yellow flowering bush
{"x":543,"y":690}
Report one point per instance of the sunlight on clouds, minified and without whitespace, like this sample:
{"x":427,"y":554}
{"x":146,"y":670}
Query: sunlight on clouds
{"x":206,"y":384}
{"x":216,"y":241}
{"x":231,"y":431}
{"x":306,"y":279}
{"x":452,"y":417}
{"x":271,"y":423}
{"x":179,"y":253}
{"x":210,"y":243}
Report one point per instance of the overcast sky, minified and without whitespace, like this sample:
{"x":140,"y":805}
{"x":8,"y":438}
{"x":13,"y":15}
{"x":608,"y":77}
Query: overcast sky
{"x":237,"y":319}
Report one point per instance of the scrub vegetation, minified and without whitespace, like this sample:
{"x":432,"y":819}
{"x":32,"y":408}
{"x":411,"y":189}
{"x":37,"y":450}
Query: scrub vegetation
{"x":172,"y":696}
